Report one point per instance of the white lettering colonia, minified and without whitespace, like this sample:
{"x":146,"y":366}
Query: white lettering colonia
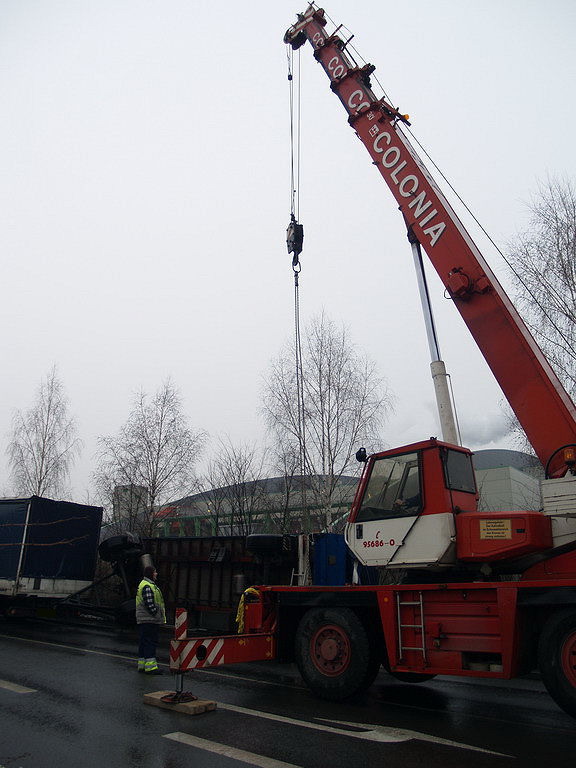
{"x":407,"y":185}
{"x":396,"y":171}
{"x":393,"y":152}
{"x":336,"y":67}
{"x":383,"y":135}
{"x":419,"y":203}
{"x":407,"y":180}
{"x":426,"y":219}
{"x":357,"y":105}
{"x":435,"y":232}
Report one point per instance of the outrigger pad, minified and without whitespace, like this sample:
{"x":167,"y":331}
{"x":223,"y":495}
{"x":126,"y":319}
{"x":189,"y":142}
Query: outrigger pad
{"x":179,"y":698}
{"x":194,"y":706}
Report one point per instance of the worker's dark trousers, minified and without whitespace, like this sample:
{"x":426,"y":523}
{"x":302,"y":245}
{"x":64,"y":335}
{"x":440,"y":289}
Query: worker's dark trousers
{"x":148,"y":634}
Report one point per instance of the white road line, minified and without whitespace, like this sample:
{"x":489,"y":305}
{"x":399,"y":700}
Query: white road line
{"x":236,"y":754}
{"x":71,"y":648}
{"x":374,"y":732}
{"x":16,"y":688}
{"x":369,"y":732}
{"x":393,"y":737}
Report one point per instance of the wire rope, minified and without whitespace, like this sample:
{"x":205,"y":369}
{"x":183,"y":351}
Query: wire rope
{"x":295,"y":136}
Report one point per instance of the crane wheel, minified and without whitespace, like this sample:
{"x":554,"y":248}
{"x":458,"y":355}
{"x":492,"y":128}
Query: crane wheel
{"x":334,"y":653}
{"x":557,"y":659}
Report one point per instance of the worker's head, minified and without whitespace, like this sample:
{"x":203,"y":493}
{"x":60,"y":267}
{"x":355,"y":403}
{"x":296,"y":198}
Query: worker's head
{"x":149,"y":572}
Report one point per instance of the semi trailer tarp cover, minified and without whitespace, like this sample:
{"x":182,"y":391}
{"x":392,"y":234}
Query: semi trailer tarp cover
{"x":42,"y":538}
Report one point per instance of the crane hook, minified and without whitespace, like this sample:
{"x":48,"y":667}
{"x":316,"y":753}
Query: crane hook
{"x":294,"y":239}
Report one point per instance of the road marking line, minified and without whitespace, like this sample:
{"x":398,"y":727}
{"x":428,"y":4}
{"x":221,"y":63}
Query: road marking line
{"x":15,"y":687}
{"x":222,"y":749}
{"x":370,"y":732}
{"x":394,"y":737}
{"x":374,"y":732}
{"x":72,"y":648}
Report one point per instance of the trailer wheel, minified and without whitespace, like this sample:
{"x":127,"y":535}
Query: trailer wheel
{"x":557,"y":659}
{"x":334,"y":653}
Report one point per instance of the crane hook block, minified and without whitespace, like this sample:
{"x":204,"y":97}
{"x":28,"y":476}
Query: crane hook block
{"x":295,"y":239}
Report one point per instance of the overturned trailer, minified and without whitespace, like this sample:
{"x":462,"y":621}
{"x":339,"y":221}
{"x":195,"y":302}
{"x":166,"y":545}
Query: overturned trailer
{"x":48,"y":551}
{"x":208,"y":575}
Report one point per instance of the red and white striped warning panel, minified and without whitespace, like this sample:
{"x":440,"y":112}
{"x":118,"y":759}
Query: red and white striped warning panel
{"x":198,"y":653}
{"x":181,"y":624}
{"x":214,"y":651}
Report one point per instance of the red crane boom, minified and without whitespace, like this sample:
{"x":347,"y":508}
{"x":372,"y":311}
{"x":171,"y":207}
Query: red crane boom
{"x":533,"y":390}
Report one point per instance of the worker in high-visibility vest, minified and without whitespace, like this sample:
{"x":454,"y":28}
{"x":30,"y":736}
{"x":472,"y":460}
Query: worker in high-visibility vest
{"x":150,"y":614}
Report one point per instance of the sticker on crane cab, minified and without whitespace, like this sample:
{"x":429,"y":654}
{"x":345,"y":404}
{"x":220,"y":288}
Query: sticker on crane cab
{"x":496,"y":529}
{"x":378,"y":542}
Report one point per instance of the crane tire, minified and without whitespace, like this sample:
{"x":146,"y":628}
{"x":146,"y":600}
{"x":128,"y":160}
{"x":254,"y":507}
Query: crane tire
{"x":557,"y":659}
{"x":334,"y":653}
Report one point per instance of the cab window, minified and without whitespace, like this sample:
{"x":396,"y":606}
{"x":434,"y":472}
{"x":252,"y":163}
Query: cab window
{"x":458,"y":471}
{"x":393,"y":490}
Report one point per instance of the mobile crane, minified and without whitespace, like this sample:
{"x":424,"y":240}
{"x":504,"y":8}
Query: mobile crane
{"x":487,"y":594}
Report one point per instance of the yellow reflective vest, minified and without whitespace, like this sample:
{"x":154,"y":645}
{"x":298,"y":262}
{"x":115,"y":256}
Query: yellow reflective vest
{"x":143,"y":615}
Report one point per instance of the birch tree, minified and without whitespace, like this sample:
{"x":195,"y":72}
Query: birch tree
{"x":542,"y":260}
{"x":149,"y":461}
{"x":44,"y":443}
{"x":343,"y":403}
{"x":235,"y":488}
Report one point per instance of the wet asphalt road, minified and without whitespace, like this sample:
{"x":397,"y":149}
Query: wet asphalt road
{"x":84,"y":707}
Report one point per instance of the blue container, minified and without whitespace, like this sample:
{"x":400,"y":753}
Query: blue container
{"x":330,"y":561}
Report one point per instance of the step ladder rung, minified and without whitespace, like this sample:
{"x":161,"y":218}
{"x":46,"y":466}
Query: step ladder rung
{"x":399,"y":605}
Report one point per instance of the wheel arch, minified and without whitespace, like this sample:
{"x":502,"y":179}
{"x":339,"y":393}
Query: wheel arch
{"x":536,"y":606}
{"x":292,"y":606}
{"x":557,"y":657}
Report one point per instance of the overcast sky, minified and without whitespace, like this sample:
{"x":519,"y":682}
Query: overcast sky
{"x":145,"y":194}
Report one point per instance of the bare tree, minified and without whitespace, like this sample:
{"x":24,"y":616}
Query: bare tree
{"x":343,"y":403}
{"x":235,"y":488}
{"x":149,"y":461}
{"x":43,"y":444}
{"x":289,"y":494}
{"x":543,"y":265}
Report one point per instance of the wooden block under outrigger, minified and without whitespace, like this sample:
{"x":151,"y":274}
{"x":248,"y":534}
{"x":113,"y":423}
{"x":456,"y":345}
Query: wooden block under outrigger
{"x":196,"y":707}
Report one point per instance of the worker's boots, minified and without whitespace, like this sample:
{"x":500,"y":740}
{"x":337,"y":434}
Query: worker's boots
{"x":151,"y":667}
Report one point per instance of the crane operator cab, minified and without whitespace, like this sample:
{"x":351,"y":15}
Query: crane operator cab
{"x":404,"y":511}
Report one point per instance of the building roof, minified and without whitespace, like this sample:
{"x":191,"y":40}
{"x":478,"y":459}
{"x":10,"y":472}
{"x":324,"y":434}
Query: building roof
{"x":494,"y":458}
{"x":266,"y":485}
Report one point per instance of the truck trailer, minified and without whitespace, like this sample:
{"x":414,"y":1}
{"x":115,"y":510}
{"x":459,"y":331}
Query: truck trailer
{"x":48,"y":551}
